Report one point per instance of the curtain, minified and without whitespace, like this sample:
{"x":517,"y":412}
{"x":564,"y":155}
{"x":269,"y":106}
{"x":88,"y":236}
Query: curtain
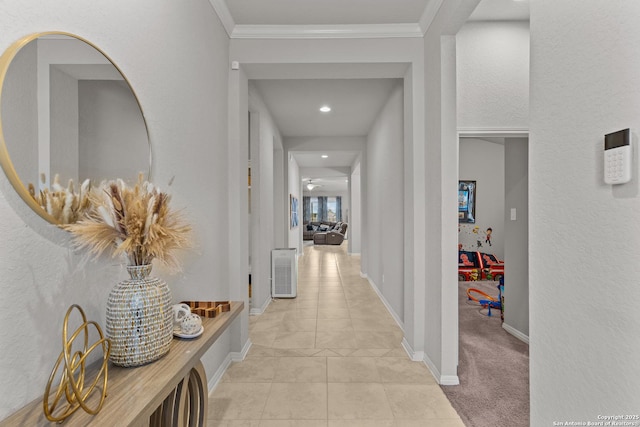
{"x":322,"y":208}
{"x":306,"y":209}
{"x":338,"y":208}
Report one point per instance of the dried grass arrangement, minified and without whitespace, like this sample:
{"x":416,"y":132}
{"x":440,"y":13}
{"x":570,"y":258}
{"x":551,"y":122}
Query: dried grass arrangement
{"x":132,"y":221}
{"x":64,"y":204}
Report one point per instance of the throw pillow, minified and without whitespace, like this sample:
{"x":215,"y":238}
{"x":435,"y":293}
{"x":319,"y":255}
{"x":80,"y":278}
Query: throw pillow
{"x":309,"y":227}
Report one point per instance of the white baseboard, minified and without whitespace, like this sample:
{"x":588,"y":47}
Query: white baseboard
{"x":239,"y":356}
{"x":215,"y":379}
{"x":233,"y":356}
{"x":386,"y":303}
{"x":257,"y":311}
{"x":516,"y":333}
{"x":449,"y":380}
{"x":416,"y":356}
{"x":421,"y":356}
{"x":440,"y":379}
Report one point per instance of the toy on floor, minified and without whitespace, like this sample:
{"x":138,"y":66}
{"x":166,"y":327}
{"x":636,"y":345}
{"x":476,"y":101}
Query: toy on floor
{"x":487,"y":302}
{"x":501,"y":296}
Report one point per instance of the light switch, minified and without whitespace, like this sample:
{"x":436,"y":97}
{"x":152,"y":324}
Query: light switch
{"x":513,"y":214}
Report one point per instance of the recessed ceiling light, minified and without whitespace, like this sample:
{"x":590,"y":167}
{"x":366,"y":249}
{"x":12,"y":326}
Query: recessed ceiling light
{"x":325,"y":108}
{"x":324,"y":156}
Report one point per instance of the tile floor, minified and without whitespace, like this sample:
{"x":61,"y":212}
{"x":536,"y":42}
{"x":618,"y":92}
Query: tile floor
{"x":332,"y":357}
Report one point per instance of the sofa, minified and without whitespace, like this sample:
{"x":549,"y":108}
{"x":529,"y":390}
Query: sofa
{"x":311,"y":228}
{"x":327,"y":235}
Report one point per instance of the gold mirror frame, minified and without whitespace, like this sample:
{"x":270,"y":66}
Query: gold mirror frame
{"x":5,"y":160}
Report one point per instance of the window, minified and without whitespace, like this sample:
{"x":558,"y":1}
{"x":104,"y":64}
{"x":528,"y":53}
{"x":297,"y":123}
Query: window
{"x":323,"y":208}
{"x":314,"y":209}
{"x":331,"y":209}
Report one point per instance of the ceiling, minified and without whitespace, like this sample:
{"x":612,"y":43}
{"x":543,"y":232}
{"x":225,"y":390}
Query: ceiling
{"x":501,"y":10}
{"x":240,"y":15}
{"x":294,"y":103}
{"x":326,"y":12}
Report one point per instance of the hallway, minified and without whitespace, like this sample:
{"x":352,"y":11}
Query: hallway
{"x":331,"y":357}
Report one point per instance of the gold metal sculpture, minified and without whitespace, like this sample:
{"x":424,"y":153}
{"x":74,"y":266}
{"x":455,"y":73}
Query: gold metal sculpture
{"x":74,"y":370}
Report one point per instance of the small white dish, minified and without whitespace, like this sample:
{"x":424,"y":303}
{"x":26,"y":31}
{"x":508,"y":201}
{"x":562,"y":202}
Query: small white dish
{"x":179,"y":334}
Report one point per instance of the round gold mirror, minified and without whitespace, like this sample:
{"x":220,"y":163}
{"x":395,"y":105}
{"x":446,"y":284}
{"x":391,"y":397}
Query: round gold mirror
{"x":68,"y":118}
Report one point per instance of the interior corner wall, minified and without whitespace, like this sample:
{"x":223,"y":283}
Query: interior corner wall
{"x":385,"y":202}
{"x":280,"y":197}
{"x":294,"y":185}
{"x":239,"y":216}
{"x":583,"y":233}
{"x":516,"y":235}
{"x":484,"y":162}
{"x":40,"y":275}
{"x":354,"y":232}
{"x":264,"y":135}
{"x":493,"y":75}
{"x":110,"y":123}
{"x":441,"y":181}
{"x":20,"y":122}
{"x":66,"y":153}
{"x":409,"y":51}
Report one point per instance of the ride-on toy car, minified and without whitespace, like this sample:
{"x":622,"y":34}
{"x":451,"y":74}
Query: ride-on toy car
{"x":475,"y":265}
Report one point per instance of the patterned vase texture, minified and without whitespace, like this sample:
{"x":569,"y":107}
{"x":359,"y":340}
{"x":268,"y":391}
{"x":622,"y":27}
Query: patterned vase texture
{"x":139,"y":318}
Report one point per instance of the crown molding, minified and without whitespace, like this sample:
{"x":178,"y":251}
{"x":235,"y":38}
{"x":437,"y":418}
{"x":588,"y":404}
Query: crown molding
{"x":221,"y":9}
{"x":325,"y":31}
{"x":497,"y":132}
{"x":429,"y":14}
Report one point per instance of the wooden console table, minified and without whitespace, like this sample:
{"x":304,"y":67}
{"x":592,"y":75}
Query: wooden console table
{"x":171,"y":391}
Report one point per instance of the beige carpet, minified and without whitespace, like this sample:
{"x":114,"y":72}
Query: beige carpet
{"x":493,"y":369}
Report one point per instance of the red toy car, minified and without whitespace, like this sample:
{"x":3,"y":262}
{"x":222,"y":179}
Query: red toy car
{"x":474,"y":265}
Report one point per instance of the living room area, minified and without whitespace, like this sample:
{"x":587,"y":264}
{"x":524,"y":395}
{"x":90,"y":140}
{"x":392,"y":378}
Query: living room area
{"x":323,"y":219}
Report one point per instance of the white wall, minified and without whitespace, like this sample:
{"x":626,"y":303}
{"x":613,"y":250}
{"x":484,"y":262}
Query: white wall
{"x":423,"y":293}
{"x":385,"y":203}
{"x":493,"y":75}
{"x":483,"y":161}
{"x":355,"y":211}
{"x":82,"y":120}
{"x":20,"y":114}
{"x":40,"y":276}
{"x":238,"y":204}
{"x":493,"y":100}
{"x":58,"y":104}
{"x":265,"y":139}
{"x":584,"y":244}
{"x":327,"y":144}
{"x":516,"y":242}
{"x":294,"y":186}
{"x":440,"y":207}
{"x":64,"y":143}
{"x":113,"y":140}
{"x":280,"y":196}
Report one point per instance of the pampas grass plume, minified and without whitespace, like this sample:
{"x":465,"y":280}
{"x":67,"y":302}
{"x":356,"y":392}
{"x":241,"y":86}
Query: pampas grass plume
{"x":132,"y":221}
